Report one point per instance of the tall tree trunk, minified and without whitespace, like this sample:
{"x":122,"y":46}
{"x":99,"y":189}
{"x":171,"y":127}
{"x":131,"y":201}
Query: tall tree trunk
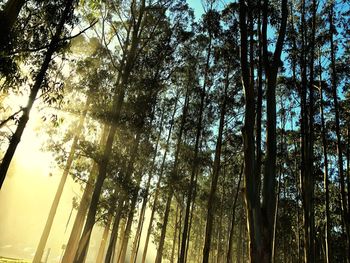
{"x":310,"y":162}
{"x":73,"y":241}
{"x":101,"y":250}
{"x":172,"y":256}
{"x":269,"y":185}
{"x":125,"y":240}
{"x":233,"y":222}
{"x":77,"y":228}
{"x":252,"y":195}
{"x":173,"y":175}
{"x":215,"y":177}
{"x":334,"y":81}
{"x":16,"y":137}
{"x":194,"y":168}
{"x":118,"y":101}
{"x":260,"y":216}
{"x":164,"y":226}
{"x":174,"y":171}
{"x":136,"y":243}
{"x":325,"y":160}
{"x":114,"y":233}
{"x":44,"y":236}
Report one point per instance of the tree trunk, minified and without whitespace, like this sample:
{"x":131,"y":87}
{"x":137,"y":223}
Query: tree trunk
{"x":194,"y":168}
{"x":230,"y":242}
{"x":334,"y":81}
{"x":164,"y":226}
{"x":215,"y":177}
{"x":114,"y":233}
{"x":46,"y":232}
{"x":125,"y":240}
{"x":325,"y":159}
{"x":136,"y":243}
{"x":174,"y":171}
{"x":101,"y":250}
{"x":118,"y":101}
{"x":16,"y":137}
{"x":172,"y":257}
{"x":260,"y":216}
{"x":77,"y":228}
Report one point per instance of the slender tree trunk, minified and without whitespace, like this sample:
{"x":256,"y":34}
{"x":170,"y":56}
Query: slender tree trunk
{"x":232,"y":227}
{"x":260,"y":216}
{"x":136,"y":243}
{"x":311,"y":127}
{"x":101,"y":250}
{"x":125,"y":240}
{"x":259,"y":101}
{"x":194,"y":168}
{"x":127,"y":65}
{"x":77,"y":228}
{"x":173,"y":174}
{"x":215,"y":177}
{"x":172,"y":257}
{"x":114,"y":234}
{"x":334,"y":81}
{"x":16,"y":137}
{"x":46,"y":232}
{"x":118,"y":101}
{"x":325,"y":159}
{"x":174,"y":171}
{"x":164,"y":226}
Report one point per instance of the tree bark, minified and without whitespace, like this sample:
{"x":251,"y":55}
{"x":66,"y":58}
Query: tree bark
{"x":260,"y":216}
{"x":114,"y":233}
{"x":172,"y":257}
{"x":325,"y":160}
{"x":136,"y":243}
{"x":101,"y":250}
{"x":118,"y":101}
{"x":232,"y":227}
{"x":334,"y":82}
{"x":46,"y":232}
{"x":194,"y":168}
{"x":215,"y":176}
{"x":164,"y":226}
{"x":77,"y":228}
{"x":174,"y":171}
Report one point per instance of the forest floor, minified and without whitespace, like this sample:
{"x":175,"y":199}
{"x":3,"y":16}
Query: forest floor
{"x":13,"y":260}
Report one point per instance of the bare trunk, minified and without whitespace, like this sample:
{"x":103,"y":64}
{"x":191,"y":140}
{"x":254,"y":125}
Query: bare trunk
{"x":136,"y":243}
{"x":174,"y":171}
{"x":164,"y":227}
{"x":46,"y":232}
{"x":101,"y":250}
{"x":344,"y":207}
{"x":172,"y":257}
{"x":194,"y":168}
{"x":215,"y":177}
{"x":73,"y":241}
{"x":114,"y":234}
{"x":232,"y":230}
{"x":325,"y":159}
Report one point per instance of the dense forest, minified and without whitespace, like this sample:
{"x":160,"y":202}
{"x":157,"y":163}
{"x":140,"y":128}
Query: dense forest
{"x":207,"y":131}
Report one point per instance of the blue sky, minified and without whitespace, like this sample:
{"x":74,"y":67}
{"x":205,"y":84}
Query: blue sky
{"x":197,"y":7}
